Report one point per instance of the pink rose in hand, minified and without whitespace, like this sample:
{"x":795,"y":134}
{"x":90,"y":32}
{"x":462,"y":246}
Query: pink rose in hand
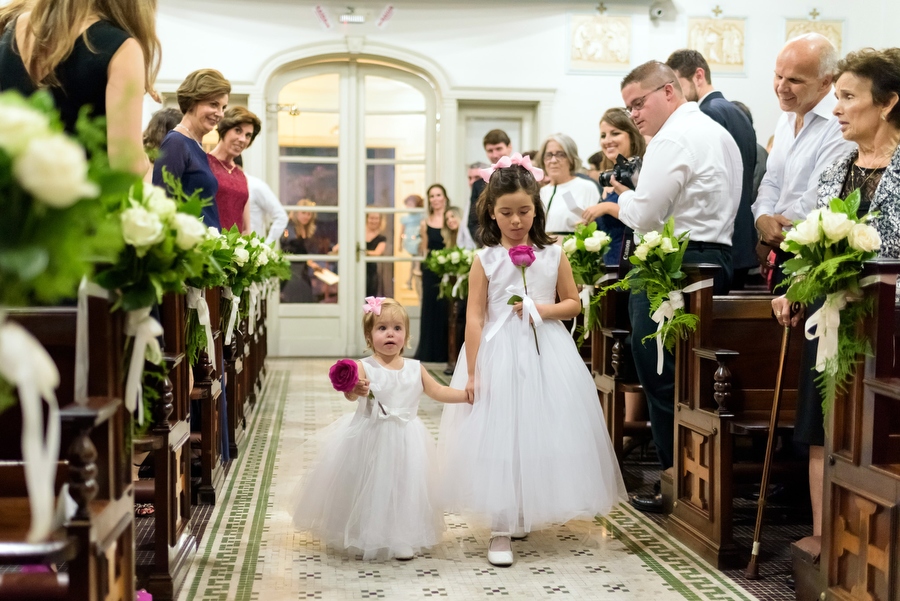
{"x":521,"y":256}
{"x":344,"y":375}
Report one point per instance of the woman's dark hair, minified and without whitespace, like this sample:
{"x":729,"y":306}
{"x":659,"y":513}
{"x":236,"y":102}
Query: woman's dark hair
{"x":882,"y":68}
{"x":510,"y":180}
{"x":237,"y":116}
{"x":161,"y":123}
{"x":428,"y":194}
{"x":621,"y":120}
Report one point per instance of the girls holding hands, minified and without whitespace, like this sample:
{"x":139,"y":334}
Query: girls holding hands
{"x":373,"y":488}
{"x":533,"y":449}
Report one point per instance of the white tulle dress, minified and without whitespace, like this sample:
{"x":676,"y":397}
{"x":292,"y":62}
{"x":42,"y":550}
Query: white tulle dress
{"x":373,"y":488}
{"x":533,"y":449}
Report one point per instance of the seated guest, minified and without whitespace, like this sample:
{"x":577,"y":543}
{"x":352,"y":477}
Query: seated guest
{"x":618,"y":135}
{"x":868,"y":109}
{"x":202,"y":98}
{"x":237,"y":130}
{"x":566,"y":196}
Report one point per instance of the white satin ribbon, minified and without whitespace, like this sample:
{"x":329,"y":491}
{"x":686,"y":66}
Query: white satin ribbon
{"x":877,"y":279}
{"x":666,"y":311}
{"x":459,"y":281}
{"x":586,"y":294}
{"x":82,"y":337}
{"x":528,"y":308}
{"x":144,"y":329}
{"x":254,"y":298}
{"x":196,"y":301}
{"x":827,"y":321}
{"x":232,"y":319}
{"x":28,"y":367}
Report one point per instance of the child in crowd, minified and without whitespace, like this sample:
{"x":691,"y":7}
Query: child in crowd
{"x":373,"y":487}
{"x":533,"y":449}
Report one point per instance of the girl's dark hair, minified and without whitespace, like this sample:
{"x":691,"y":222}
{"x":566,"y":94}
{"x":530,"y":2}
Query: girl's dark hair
{"x":162,"y":121}
{"x":510,"y":180}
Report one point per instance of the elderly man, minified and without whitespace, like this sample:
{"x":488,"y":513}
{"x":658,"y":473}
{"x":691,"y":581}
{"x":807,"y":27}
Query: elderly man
{"x":692,"y":171}
{"x":807,"y":140}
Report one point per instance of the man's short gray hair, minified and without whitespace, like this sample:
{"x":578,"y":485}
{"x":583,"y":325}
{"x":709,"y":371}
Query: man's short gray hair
{"x":478,"y":165}
{"x":828,"y":54}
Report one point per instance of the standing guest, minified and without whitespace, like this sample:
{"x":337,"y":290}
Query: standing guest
{"x":453,"y":234}
{"x":302,"y":240}
{"x":160,"y":124}
{"x":433,"y":343}
{"x":692,"y":173}
{"x":868,"y":111}
{"x":409,"y":234}
{"x":618,"y":135}
{"x":237,"y":130}
{"x":807,"y":140}
{"x":496,"y":145}
{"x":566,"y":196}
{"x":202,"y":98}
{"x":265,"y":208}
{"x":87,"y":53}
{"x":696,"y":83}
{"x":376,"y":243}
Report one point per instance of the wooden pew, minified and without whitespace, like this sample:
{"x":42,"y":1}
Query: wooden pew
{"x":724,"y":385}
{"x":208,"y":390}
{"x":248,"y":379}
{"x":168,"y":441}
{"x":235,"y":391}
{"x":98,"y":541}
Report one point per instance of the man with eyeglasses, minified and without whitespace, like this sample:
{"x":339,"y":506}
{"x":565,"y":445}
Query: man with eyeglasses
{"x":692,"y":171}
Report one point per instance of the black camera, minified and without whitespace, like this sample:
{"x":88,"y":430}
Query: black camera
{"x":625,"y":171}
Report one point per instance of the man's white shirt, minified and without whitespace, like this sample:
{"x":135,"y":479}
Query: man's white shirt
{"x":265,"y":208}
{"x":795,"y":163}
{"x":692,"y":170}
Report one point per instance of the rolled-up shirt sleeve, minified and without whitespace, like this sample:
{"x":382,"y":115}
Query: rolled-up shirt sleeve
{"x":666,"y":170}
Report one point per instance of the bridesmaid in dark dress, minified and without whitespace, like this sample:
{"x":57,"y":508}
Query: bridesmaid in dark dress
{"x":433,"y":342}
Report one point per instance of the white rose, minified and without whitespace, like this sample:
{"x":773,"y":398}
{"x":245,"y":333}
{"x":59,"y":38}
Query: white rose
{"x":455,"y":257}
{"x":864,"y":237}
{"x":54,"y":170}
{"x":141,"y":228}
{"x":254,"y":242}
{"x":156,"y":201}
{"x":806,"y":232}
{"x":18,"y":126}
{"x":441,"y":259}
{"x":570,"y":245}
{"x":668,"y":246}
{"x":241,"y":242}
{"x":642,"y":251}
{"x":836,"y":225}
{"x":601,"y":235}
{"x":241,"y":256}
{"x":652,"y":239}
{"x":190,"y":231}
{"x":262,"y":259}
{"x":593,"y":244}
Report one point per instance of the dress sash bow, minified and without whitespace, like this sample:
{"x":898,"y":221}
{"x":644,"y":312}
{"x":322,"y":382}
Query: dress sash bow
{"x":528,"y":308}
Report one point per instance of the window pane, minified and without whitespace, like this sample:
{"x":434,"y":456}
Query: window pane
{"x":309,"y":134}
{"x":310,"y":234}
{"x":384,"y":94}
{"x":310,"y":283}
{"x":401,"y":280}
{"x":392,"y":185}
{"x":319,"y":92}
{"x":315,"y":182}
{"x":405,"y":134}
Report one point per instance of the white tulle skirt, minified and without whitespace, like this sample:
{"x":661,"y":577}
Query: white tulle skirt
{"x":533,"y":449}
{"x":373,"y":488}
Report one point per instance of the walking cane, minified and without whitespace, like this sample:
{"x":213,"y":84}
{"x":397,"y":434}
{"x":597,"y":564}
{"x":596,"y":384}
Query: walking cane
{"x":752,"y":572}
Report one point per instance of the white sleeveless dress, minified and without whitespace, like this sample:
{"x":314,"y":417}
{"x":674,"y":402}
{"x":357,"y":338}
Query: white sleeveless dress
{"x":533,"y":449}
{"x":373,"y":488}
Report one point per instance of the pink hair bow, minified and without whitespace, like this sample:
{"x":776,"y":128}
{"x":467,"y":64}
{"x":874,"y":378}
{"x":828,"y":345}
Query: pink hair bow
{"x":515,"y":159}
{"x":373,"y":304}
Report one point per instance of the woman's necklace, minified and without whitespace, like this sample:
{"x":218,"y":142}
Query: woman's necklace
{"x":189,"y":134}
{"x":224,"y":166}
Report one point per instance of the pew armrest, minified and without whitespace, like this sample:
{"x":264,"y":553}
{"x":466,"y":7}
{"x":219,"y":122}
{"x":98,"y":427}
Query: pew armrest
{"x":721,"y":377}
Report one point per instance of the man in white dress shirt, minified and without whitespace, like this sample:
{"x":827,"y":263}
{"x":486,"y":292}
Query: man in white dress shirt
{"x":692,"y":171}
{"x":265,"y":208}
{"x":807,"y":140}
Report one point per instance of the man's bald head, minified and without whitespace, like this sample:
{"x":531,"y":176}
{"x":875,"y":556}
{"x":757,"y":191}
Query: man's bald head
{"x":804,"y":71}
{"x":813,"y":47}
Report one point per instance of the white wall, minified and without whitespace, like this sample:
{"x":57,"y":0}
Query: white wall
{"x":500,"y":45}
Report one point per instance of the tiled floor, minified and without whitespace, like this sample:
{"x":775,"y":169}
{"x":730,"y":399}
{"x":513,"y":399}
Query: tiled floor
{"x":250,"y":550}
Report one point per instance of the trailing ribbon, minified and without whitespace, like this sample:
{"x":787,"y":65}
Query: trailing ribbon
{"x":254,"y":298}
{"x":459,"y":281}
{"x":28,"y":367}
{"x":196,"y":301}
{"x":827,"y":321}
{"x":144,"y":329}
{"x":528,"y":308}
{"x":666,"y":311}
{"x":586,"y":294}
{"x":82,"y":337}
{"x":232,"y":319}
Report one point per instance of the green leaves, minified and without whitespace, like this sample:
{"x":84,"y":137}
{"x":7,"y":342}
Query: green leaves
{"x":515,"y":298}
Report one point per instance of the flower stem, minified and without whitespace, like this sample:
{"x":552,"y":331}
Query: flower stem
{"x":533,"y":329}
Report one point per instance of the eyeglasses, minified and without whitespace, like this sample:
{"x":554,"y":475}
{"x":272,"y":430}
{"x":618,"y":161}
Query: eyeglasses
{"x":638,"y":103}
{"x":549,"y":156}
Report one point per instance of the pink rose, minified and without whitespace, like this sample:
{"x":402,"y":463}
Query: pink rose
{"x":521,"y":256}
{"x":344,"y":375}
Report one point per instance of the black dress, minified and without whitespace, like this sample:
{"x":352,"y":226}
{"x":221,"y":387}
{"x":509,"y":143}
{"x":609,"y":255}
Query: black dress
{"x":372,"y":268}
{"x":82,"y":75}
{"x":433,"y":343}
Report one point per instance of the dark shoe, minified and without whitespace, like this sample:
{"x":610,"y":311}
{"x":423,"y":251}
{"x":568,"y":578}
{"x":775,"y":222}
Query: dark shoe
{"x":648,"y":503}
{"x":790,"y":582}
{"x":448,"y":371}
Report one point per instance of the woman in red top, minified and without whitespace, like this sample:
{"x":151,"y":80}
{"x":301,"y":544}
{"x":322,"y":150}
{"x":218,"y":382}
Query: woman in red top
{"x":237,"y":130}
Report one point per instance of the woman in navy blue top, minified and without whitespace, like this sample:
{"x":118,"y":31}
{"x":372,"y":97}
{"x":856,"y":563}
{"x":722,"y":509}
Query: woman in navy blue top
{"x":202,"y":97}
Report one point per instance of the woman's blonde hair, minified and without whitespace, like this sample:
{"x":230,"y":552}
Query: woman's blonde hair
{"x":388,"y":307}
{"x":53,"y":28}
{"x":310,"y":228}
{"x":450,"y":236}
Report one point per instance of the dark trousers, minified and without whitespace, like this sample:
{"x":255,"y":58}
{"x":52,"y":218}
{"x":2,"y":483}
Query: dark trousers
{"x":659,"y":389}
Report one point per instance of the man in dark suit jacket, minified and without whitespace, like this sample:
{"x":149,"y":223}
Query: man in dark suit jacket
{"x":496,"y":145}
{"x":696,"y":82}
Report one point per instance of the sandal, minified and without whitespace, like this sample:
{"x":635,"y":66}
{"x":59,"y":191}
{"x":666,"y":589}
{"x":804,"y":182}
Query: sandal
{"x":142,"y":510}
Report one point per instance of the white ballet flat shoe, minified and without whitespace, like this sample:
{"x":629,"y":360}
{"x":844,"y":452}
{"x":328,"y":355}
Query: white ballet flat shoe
{"x":519,"y":535}
{"x":404,"y":553}
{"x":502,"y":558}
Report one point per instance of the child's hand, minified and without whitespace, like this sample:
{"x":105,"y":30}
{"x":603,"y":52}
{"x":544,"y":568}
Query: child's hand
{"x":470,"y":390}
{"x":361,"y":388}
{"x":517,"y":309}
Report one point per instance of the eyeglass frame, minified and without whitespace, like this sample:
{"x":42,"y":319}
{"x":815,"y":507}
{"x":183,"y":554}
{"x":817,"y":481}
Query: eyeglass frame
{"x":558,"y":155}
{"x":641,"y":100}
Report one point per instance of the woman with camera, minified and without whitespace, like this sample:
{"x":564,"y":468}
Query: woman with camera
{"x":566,"y":195}
{"x":618,"y":136}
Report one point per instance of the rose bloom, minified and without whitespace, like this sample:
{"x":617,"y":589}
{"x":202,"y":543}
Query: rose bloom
{"x":156,"y":201}
{"x":522,"y":255}
{"x":241,"y":256}
{"x":141,"y":228}
{"x":54,"y":170}
{"x":344,"y":375}
{"x":806,"y":232}
{"x":593,"y":244}
{"x":668,"y":246}
{"x":652,"y":239}
{"x":570,"y":245}
{"x":864,"y":237}
{"x":18,"y":126}
{"x":836,"y":225}
{"x":190,"y":231}
{"x":642,"y":251}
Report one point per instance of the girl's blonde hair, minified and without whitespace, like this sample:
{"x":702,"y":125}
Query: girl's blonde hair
{"x":310,"y":228}
{"x":450,"y":236}
{"x":53,"y":29}
{"x":388,"y":307}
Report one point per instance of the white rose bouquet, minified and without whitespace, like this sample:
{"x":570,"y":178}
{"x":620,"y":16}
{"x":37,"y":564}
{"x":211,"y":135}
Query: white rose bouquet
{"x":830,"y":247}
{"x":585,"y":249}
{"x":453,"y":265}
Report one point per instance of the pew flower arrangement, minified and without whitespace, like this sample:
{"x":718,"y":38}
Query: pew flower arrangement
{"x":585,"y":249}
{"x":830,"y":247}
{"x":453,"y":265}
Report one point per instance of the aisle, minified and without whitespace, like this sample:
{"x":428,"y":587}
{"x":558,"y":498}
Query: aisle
{"x":251,"y":552}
